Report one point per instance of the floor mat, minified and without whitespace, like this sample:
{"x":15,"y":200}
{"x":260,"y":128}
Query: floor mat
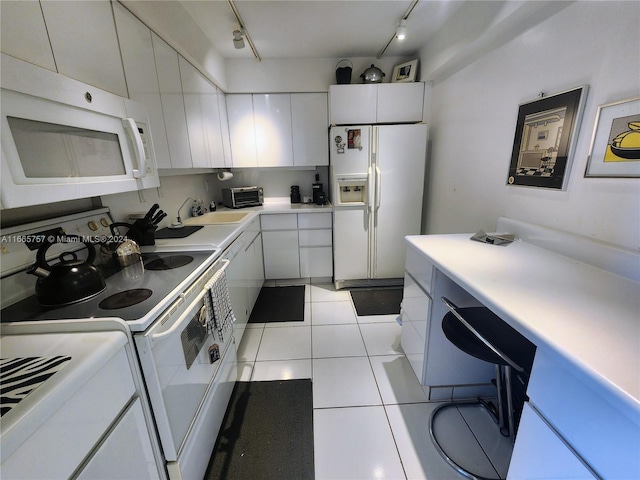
{"x":279,"y":304}
{"x":267,"y":433}
{"x":377,"y":301}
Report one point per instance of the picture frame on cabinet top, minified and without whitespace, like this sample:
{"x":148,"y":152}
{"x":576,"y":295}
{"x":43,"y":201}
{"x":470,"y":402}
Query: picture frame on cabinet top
{"x":405,"y":72}
{"x":545,"y":138}
{"x":615,"y":144}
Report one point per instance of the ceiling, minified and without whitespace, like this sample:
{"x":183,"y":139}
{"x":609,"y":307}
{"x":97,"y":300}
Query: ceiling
{"x":307,"y":28}
{"x":446,"y":35}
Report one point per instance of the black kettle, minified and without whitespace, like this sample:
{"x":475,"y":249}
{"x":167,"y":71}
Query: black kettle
{"x":70,"y":280}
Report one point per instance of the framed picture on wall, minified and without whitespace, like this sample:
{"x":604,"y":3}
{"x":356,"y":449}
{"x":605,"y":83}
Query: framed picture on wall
{"x":615,"y":144}
{"x":405,"y":72}
{"x":545,"y":138}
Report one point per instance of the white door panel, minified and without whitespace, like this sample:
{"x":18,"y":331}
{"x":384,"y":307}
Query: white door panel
{"x":351,"y":243}
{"x":400,"y":162}
{"x":354,"y":143}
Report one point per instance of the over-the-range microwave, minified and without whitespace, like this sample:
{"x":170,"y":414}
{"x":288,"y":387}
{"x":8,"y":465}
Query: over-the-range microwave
{"x":63,"y":139}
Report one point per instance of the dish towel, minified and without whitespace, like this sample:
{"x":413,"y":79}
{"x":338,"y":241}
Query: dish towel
{"x":220,"y":313}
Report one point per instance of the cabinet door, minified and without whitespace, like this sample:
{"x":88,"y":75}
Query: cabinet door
{"x":281,"y":256}
{"x":272,"y":121}
{"x":172,"y":103}
{"x":213,"y":125}
{"x":23,"y":33}
{"x":316,"y":262}
{"x":224,"y":128}
{"x":241,"y":130}
{"x":400,"y":102}
{"x":85,"y":44}
{"x":540,"y":453}
{"x":142,"y":76}
{"x":194,"y":87}
{"x":126,"y":452}
{"x":352,"y":104}
{"x":310,"y":120}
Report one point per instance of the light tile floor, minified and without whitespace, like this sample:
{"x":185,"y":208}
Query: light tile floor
{"x":370,"y":413}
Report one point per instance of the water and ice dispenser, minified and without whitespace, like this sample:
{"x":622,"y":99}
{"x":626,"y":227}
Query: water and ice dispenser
{"x":351,"y":189}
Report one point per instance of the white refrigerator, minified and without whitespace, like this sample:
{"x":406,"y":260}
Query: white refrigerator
{"x":377,"y":181}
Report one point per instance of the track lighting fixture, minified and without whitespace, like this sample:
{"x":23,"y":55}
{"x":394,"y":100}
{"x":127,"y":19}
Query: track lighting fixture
{"x":238,"y":41}
{"x":401,"y":31}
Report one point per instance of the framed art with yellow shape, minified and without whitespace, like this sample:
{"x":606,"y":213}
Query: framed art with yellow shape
{"x":615,"y":144}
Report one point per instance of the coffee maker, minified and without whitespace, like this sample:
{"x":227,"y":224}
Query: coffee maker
{"x":319,"y":197}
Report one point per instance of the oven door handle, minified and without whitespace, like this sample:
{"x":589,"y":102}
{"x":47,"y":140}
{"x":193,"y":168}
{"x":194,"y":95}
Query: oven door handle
{"x":188,"y":312}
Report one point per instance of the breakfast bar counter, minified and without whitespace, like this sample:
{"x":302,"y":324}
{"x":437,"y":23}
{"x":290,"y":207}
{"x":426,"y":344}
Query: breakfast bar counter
{"x":584,"y":321}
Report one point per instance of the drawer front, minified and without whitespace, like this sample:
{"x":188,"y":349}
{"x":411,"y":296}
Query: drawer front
{"x":420,"y":268}
{"x":604,"y":436}
{"x":280,"y":221}
{"x":314,"y":220}
{"x":314,"y":238}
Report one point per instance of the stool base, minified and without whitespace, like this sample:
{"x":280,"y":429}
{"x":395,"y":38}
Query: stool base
{"x":440,"y":450}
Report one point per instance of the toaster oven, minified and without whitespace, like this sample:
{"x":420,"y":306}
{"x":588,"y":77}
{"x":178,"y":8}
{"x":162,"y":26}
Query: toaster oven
{"x":242,"y":197}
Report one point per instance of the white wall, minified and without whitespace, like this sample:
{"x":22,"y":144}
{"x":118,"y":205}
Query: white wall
{"x":173,"y":191}
{"x":473,"y":118}
{"x":297,"y":75}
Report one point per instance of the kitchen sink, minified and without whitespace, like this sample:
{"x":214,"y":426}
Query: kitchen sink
{"x":216,"y":218}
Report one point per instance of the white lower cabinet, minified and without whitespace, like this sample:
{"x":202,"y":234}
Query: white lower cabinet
{"x":126,"y":453}
{"x":540,"y":453}
{"x":315,"y":241}
{"x":245,"y":275}
{"x":297,"y":245}
{"x":281,"y":254}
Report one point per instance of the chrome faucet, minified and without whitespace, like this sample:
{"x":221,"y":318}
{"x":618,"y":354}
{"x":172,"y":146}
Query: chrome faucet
{"x":179,"y":222}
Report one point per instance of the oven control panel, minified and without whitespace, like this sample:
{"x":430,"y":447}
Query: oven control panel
{"x":19,"y":245}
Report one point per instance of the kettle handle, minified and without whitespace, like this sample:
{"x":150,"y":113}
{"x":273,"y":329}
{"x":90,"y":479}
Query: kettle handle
{"x":41,"y":260}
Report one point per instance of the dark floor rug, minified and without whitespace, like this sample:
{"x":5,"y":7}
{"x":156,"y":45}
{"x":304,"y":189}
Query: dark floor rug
{"x":267,"y":433}
{"x":377,"y":301}
{"x":279,"y":304}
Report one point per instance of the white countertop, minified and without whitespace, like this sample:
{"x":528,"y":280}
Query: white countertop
{"x":587,"y":316}
{"x":220,"y":236}
{"x":88,"y":352}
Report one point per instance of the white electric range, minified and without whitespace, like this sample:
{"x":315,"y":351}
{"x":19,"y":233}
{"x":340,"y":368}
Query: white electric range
{"x":175,"y":307}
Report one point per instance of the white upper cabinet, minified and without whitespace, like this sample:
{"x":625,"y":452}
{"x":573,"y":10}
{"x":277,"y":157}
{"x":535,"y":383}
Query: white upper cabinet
{"x":224,"y":128}
{"x":23,"y":33}
{"x":376,"y":103}
{"x":241,"y":130}
{"x":203,"y":117}
{"x":272,"y":123}
{"x":352,"y":104}
{"x":278,"y":130}
{"x":400,"y":102}
{"x":194,"y":88}
{"x":310,"y":120}
{"x":142,"y":77}
{"x":172,"y":103}
{"x":85,"y":44}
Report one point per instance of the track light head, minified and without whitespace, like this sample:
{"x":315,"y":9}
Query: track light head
{"x":238,"y":41}
{"x":401,"y":31}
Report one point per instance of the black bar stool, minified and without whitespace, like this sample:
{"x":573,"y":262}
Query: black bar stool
{"x":477,"y":331}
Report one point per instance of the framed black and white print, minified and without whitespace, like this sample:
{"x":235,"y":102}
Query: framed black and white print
{"x":615,"y":144}
{"x":546,"y":133}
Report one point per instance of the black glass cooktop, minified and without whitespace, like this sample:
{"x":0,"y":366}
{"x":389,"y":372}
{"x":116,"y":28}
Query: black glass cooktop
{"x":131,"y":292}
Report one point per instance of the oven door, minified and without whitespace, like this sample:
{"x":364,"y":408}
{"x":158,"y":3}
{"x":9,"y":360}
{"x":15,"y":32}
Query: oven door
{"x":180,"y":361}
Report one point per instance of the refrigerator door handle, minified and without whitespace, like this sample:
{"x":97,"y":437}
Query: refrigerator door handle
{"x":378,"y":193}
{"x":370,"y":191}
